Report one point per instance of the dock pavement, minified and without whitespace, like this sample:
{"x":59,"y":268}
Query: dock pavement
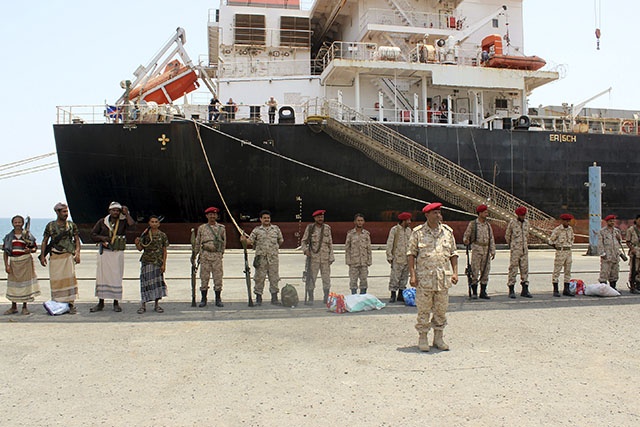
{"x":528,"y":362}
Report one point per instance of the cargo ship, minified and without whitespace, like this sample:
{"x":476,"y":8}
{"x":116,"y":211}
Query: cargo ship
{"x":326,"y":108}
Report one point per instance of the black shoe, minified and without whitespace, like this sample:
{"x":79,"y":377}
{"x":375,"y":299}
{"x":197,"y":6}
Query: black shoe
{"x":219,"y":299}
{"x":556,"y":292}
{"x":400,"y":296}
{"x":483,"y":292}
{"x":525,"y":290}
{"x":116,"y":307}
{"x":474,"y":290}
{"x":309,"y":300}
{"x":354,"y":291}
{"x":566,"y":291}
{"x":363,"y":291}
{"x":203,"y":301}
{"x":325,"y":297}
{"x":393,"y":297}
{"x":274,"y":299}
{"x":258,"y":299}
{"x":512,"y":292}
{"x":97,"y":307}
{"x":613,"y":285}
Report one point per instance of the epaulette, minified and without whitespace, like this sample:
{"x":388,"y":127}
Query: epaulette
{"x":418,"y":227}
{"x":446,"y":227}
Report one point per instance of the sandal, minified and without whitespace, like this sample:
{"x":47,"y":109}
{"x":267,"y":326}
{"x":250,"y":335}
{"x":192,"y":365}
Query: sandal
{"x":72,"y":309}
{"x":25,"y":312}
{"x":11,"y":311}
{"x":117,"y":308}
{"x":158,"y":309}
{"x":141,"y":310}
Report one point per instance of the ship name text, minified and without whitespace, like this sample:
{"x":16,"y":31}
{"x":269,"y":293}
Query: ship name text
{"x":562,"y":137}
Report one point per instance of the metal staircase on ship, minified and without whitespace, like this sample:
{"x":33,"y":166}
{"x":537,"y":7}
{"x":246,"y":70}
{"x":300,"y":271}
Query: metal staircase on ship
{"x":425,"y":168}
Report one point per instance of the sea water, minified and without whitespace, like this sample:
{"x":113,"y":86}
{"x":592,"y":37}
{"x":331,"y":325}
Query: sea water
{"x":37,"y":227}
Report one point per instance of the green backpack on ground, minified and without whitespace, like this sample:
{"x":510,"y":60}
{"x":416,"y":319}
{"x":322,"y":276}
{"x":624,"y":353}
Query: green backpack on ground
{"x":289,"y":296}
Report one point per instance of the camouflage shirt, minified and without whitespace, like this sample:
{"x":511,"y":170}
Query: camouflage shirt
{"x":561,"y":237}
{"x":517,"y":234}
{"x":266,"y":241}
{"x":357,"y":248}
{"x":609,"y":243}
{"x":319,"y":243}
{"x":397,"y":244}
{"x":433,"y":250}
{"x":211,"y":238}
{"x":67,"y":241}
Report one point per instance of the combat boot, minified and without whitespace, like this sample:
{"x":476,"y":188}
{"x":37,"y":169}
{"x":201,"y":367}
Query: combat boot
{"x":400,"y":295}
{"x":483,"y":292}
{"x":566,"y":291}
{"x":325,"y":296}
{"x":354,"y":291}
{"x":438,"y":342}
{"x":512,"y":292}
{"x":219,"y":299}
{"x":363,"y":291}
{"x":613,"y":284}
{"x":634,"y":287}
{"x":525,"y":290}
{"x":203,"y":301}
{"x":556,"y":292}
{"x":474,"y":290}
{"x":393,"y":297}
{"x":423,"y":341}
{"x":258,"y":299}
{"x":274,"y":299}
{"x":97,"y":307}
{"x":309,"y":298}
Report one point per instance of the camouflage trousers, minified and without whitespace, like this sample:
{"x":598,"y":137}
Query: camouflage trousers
{"x":480,"y":257}
{"x":428,"y":301}
{"x":519,"y":260}
{"x":264,"y":270}
{"x":325,"y":272}
{"x":211,"y":265}
{"x":634,"y":264}
{"x":358,"y":272}
{"x":562,"y":261}
{"x":609,"y":271}
{"x":399,"y":276}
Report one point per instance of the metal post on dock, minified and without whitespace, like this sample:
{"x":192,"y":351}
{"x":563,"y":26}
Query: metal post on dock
{"x":595,"y":207}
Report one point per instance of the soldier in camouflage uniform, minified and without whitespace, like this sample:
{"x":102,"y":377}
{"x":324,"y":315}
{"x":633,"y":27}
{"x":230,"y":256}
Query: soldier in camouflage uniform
{"x":397,"y":256}
{"x":609,"y":248}
{"x":517,"y":235}
{"x":266,"y":239}
{"x":633,"y":241}
{"x":211,"y":241}
{"x":357,"y":252}
{"x":433,"y":269}
{"x":317,"y":246}
{"x":483,"y":249}
{"x":562,"y":240}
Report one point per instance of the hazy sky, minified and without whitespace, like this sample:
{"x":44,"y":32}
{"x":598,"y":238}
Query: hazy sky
{"x":74,"y":52}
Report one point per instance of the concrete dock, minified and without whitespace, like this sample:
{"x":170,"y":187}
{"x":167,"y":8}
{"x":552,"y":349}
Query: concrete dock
{"x":541,"y":361}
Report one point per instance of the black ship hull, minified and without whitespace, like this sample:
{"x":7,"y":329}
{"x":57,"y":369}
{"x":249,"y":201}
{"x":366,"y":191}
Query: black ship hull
{"x":161,"y":169}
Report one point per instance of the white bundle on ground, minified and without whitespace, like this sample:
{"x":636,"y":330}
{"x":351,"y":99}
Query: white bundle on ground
{"x":600,"y":290}
{"x":362,"y":302}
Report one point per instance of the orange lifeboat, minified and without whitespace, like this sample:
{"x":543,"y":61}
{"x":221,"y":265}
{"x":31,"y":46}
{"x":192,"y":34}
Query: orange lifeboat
{"x":174,"y":82}
{"x":493,"y":46}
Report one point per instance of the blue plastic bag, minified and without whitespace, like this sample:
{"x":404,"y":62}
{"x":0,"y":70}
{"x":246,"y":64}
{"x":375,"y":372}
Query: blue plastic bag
{"x":409,"y":296}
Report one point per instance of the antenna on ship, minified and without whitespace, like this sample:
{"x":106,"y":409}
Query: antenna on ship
{"x":597,"y":9}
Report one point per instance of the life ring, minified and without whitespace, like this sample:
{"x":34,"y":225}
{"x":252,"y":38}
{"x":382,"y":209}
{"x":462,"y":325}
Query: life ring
{"x":286,"y":54}
{"x":276,"y":53}
{"x":627,"y":126}
{"x":227,"y":51}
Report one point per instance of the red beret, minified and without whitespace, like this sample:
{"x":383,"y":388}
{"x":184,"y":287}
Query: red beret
{"x":212,"y":209}
{"x":521,"y":211}
{"x":404,"y":216}
{"x":318,"y":212}
{"x":566,"y":217}
{"x":610,"y":217}
{"x":431,"y":207}
{"x":481,"y":208}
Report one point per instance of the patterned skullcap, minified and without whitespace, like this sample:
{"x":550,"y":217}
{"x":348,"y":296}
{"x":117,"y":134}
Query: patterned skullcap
{"x":431,"y":207}
{"x":60,"y":206}
{"x":404,"y":216}
{"x":115,"y":205}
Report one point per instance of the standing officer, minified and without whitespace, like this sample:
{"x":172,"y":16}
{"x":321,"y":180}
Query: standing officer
{"x":562,"y":240}
{"x":433,"y":269}
{"x":266,"y":239}
{"x":397,"y":256}
{"x":211,"y":241}
{"x":609,"y":247}
{"x":110,"y":234}
{"x":317,"y":246}
{"x":483,"y":249}
{"x":633,"y":241}
{"x":357,"y":252}
{"x":517,"y":235}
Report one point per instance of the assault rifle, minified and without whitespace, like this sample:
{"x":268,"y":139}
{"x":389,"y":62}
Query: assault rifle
{"x":247,"y":272}
{"x":195,"y":260}
{"x":469,"y":272}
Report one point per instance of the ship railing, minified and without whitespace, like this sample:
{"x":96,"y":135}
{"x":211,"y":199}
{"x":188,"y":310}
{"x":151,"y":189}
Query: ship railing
{"x":79,"y":114}
{"x":584,"y":124}
{"x":457,"y":56}
{"x":440,"y":176}
{"x":423,"y":19}
{"x":419,"y":116}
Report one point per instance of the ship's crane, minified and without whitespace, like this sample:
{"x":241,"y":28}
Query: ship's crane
{"x":145,"y":75}
{"x":575,"y":109}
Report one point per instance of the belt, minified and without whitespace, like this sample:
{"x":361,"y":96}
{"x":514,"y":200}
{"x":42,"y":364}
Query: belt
{"x":563,"y":249}
{"x":481,"y":244}
{"x":210,"y":250}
